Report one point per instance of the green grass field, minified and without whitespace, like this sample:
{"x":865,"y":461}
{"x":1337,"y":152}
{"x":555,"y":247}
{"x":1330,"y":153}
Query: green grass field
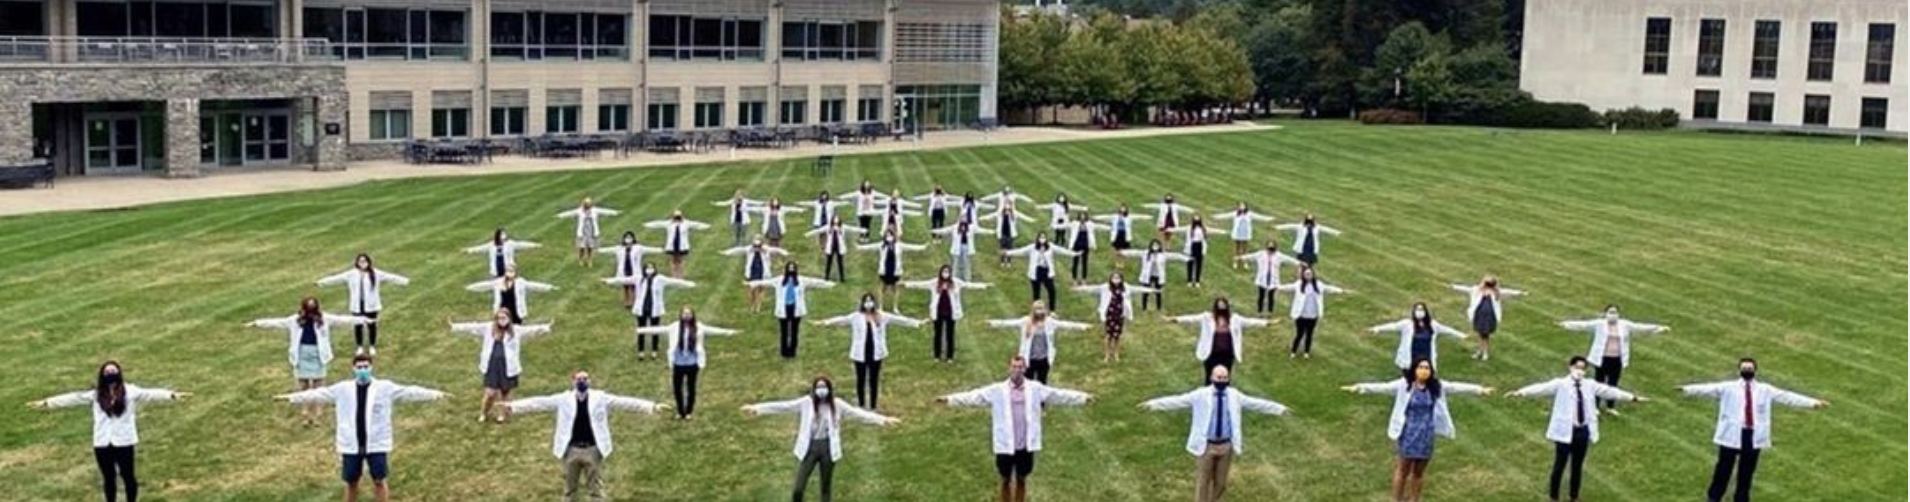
{"x":1791,"y":250}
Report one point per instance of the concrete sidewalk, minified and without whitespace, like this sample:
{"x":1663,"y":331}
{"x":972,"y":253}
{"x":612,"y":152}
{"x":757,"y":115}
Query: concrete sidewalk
{"x":104,"y":192}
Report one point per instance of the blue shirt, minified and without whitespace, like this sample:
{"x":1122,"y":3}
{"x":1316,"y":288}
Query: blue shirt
{"x":789,"y":294}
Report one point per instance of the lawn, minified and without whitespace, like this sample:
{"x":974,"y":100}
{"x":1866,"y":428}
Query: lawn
{"x":1791,"y":250}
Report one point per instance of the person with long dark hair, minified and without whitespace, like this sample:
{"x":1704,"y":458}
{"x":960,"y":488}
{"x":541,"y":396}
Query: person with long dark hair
{"x":834,"y":247}
{"x":1016,"y":406}
{"x":756,"y":267}
{"x":888,"y":266}
{"x":676,"y":238}
{"x":580,"y":436}
{"x":825,"y":206}
{"x":362,"y":283}
{"x":1574,"y":424}
{"x":938,"y":201}
{"x":498,"y":358}
{"x":1485,"y":308}
{"x":1007,"y":230}
{"x":1116,"y":308}
{"x":819,"y":419}
{"x":1195,"y":247}
{"x":895,"y":211}
{"x":1306,"y":238}
{"x":1611,"y":341}
{"x":792,"y":303}
{"x":738,"y":215}
{"x":115,"y":405}
{"x":1419,"y":413}
{"x":1241,"y":227}
{"x":309,"y":333}
{"x":1222,"y":335}
{"x":1266,"y":274}
{"x":510,"y":293}
{"x":869,"y":345}
{"x":629,"y":255}
{"x":1169,"y":215}
{"x":1120,"y":226}
{"x":687,"y":356}
{"x":1214,"y":435}
{"x":1058,"y":213}
{"x":1418,"y":336}
{"x":1079,"y":237}
{"x":971,"y":209}
{"x":1037,"y":330}
{"x":961,"y":246}
{"x":866,"y":200}
{"x":1154,"y":271}
{"x":775,"y":226}
{"x":589,"y":228}
{"x":364,"y":408}
{"x":502,"y":251}
{"x":1744,"y":424}
{"x":1308,"y":308}
{"x":649,"y":307}
{"x":1041,"y":267}
{"x":944,"y":308}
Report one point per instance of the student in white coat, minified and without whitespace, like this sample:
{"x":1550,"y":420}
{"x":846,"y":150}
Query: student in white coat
{"x":1419,"y":413}
{"x":971,"y":209}
{"x":676,"y":238}
{"x":819,"y":419}
{"x":869,"y":345}
{"x":1214,"y":438}
{"x":888,"y":266}
{"x":309,"y":333}
{"x":1744,"y":424}
{"x":737,"y":215}
{"x":580,"y":435}
{"x":895,"y":211}
{"x":756,"y":267}
{"x":499,"y":361}
{"x":687,"y":356}
{"x":938,"y":202}
{"x":1037,"y":330}
{"x":1611,"y":345}
{"x":1418,"y":336}
{"x":1006,"y":229}
{"x":650,"y":305}
{"x":510,"y":293}
{"x":1058,"y":215}
{"x":867,"y":202}
{"x":1222,"y":335}
{"x":792,"y":303}
{"x":501,"y":250}
{"x":961,"y":246}
{"x":1154,"y":271}
{"x":1169,"y":215}
{"x":1574,"y":424}
{"x":775,"y":226}
{"x":1041,"y":266}
{"x":1240,"y":227}
{"x":834,"y":246}
{"x":825,"y":207}
{"x":364,"y":406}
{"x":1121,"y":232}
{"x":362,"y":283}
{"x":1484,"y":307}
{"x":629,"y":256}
{"x":1266,"y":273}
{"x":1078,"y":236}
{"x":1016,"y":406}
{"x":1309,"y":306}
{"x":1195,"y":247}
{"x":1007,"y":196}
{"x":1306,"y":238}
{"x":115,"y":405}
{"x":944,"y":308}
{"x":1116,"y":308}
{"x":589,"y":228}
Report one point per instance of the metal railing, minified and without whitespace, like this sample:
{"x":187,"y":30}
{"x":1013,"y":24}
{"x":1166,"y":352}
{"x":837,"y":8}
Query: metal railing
{"x":162,"y":50}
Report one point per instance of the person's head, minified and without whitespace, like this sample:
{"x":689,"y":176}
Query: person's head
{"x":498,"y":236}
{"x":1576,"y":367}
{"x":580,"y":381}
{"x":1490,"y":282}
{"x":868,"y":303}
{"x":789,"y":269}
{"x":1240,"y":207}
{"x":1115,"y":278}
{"x":888,"y":237}
{"x":1308,"y":221}
{"x":1273,"y":246}
{"x":676,"y":215}
{"x":1197,"y":224}
{"x":1611,"y":312}
{"x":945,"y":274}
{"x":775,"y":203}
{"x":1306,"y":273}
{"x":1154,"y":245}
{"x":968,"y":196}
{"x":1221,"y":376}
{"x":1017,"y":368}
{"x":866,"y":186}
{"x":1421,"y":372}
{"x":110,"y":390}
{"x":308,"y":309}
{"x":1041,"y":241}
{"x":1420,"y":313}
{"x":835,"y":220}
{"x":822,"y":195}
{"x":1221,"y":307}
{"x":1747,"y":368}
{"x":1061,"y":198}
{"x":895,"y":193}
{"x":821,"y":388}
{"x":649,"y":270}
{"x":587,"y":204}
{"x":738,"y":195}
{"x":1038,"y":310}
{"x":757,"y":242}
{"x":629,"y":238}
{"x":361,"y":368}
{"x":1169,"y":198}
{"x":1081,"y":217}
{"x":938,"y":188}
{"x":362,"y":262}
{"x":510,"y":273}
{"x":501,"y":318}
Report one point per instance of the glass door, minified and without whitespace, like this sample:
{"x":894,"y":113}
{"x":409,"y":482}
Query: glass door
{"x":112,"y":143}
{"x":267,"y":137}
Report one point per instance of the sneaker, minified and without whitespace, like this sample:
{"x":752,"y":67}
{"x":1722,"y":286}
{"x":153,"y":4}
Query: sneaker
{"x":482,"y":417}
{"x":372,"y":350}
{"x":1612,"y":411}
{"x":1308,"y":355}
{"x":359,"y":352}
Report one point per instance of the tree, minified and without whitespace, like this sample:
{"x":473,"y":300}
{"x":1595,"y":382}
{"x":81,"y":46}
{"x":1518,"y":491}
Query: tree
{"x":1276,"y":51}
{"x":1091,"y":72}
{"x":1029,"y":48}
{"x":1405,"y":47}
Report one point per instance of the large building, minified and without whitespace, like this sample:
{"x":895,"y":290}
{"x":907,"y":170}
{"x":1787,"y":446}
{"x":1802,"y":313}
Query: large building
{"x":1818,"y":65}
{"x":179,"y":87}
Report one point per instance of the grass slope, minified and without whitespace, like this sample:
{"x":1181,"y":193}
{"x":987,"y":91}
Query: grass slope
{"x":1791,"y":250}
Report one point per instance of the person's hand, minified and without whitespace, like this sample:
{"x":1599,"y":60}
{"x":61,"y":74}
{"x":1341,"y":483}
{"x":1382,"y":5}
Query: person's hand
{"x":38,"y":405}
{"x":288,"y":397}
{"x":180,"y":395}
{"x":891,"y":421}
{"x":941,"y":400}
{"x":663,"y":407}
{"x":1488,"y":391}
{"x":1821,"y":405}
{"x":1090,"y":399}
{"x":1639,"y":399}
{"x":748,"y":411}
{"x":1349,"y":389}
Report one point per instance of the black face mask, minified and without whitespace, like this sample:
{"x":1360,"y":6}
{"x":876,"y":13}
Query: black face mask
{"x":1747,"y":374}
{"x":1221,"y":386}
{"x":110,"y":379}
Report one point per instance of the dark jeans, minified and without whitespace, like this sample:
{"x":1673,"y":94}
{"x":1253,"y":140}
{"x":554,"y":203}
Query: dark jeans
{"x":1745,"y":458}
{"x":868,"y":383}
{"x":655,"y":341}
{"x":1609,"y":369}
{"x":1043,"y":282}
{"x":1196,"y":262}
{"x":1159,"y":301}
{"x":944,"y":339}
{"x":1078,"y":266}
{"x":790,"y":326}
{"x":115,"y":464}
{"x":1265,"y":303}
{"x":358,"y":332}
{"x":683,"y":384}
{"x":1037,"y":370}
{"x":833,"y":263}
{"x":817,"y":456}
{"x":1303,"y":334}
{"x":1574,"y":454}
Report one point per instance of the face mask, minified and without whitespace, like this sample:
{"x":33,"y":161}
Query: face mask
{"x":1578,"y":373}
{"x":1611,"y":316}
{"x":1422,"y":374}
{"x":649,"y":271}
{"x":111,"y":378}
{"x":583,"y":386}
{"x":363,"y":374}
{"x":1221,"y":385}
{"x":1747,"y":374}
{"x":1419,"y":314}
{"x":820,"y":392}
{"x":1117,"y":280}
{"x":868,"y":305}
{"x":687,"y":319}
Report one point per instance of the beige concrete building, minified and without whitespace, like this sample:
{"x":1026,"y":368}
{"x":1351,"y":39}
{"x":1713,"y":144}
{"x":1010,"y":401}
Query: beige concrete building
{"x":1822,"y":65}
{"x":331,"y":80}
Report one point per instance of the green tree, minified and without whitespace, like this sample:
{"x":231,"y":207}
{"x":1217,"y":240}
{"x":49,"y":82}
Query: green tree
{"x":1405,"y":46}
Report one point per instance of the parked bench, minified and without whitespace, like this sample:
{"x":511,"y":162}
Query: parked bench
{"x":27,"y":174}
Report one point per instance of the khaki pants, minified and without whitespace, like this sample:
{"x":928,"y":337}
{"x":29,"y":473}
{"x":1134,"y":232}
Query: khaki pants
{"x":585,"y":461}
{"x":1210,"y":472}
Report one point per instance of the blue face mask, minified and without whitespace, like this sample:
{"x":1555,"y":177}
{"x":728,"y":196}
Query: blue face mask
{"x":583,"y":386}
{"x":362,"y":374}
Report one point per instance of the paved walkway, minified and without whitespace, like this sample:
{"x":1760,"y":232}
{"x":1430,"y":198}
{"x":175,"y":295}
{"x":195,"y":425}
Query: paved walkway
{"x":103,"y":192}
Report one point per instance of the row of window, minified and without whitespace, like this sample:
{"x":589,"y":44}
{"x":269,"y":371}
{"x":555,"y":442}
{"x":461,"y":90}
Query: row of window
{"x":1874,"y":114}
{"x":421,"y":34}
{"x":393,"y":123}
{"x":240,"y":19}
{"x":1820,"y":61}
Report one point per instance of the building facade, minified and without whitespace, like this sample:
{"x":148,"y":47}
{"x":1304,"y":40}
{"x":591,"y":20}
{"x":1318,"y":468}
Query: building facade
{"x":1815,"y":65}
{"x":181,"y":86}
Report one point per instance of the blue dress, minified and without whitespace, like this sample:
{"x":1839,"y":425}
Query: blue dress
{"x":1416,"y":438}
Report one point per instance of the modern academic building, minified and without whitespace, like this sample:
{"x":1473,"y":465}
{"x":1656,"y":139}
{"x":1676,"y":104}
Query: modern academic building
{"x":1815,"y":65}
{"x":180,"y":87}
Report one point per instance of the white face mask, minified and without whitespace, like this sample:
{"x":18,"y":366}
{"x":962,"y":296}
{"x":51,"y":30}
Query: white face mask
{"x":868,"y":305}
{"x":821,"y":392}
{"x":1419,"y":314}
{"x":1611,"y":316}
{"x":1116,"y":280}
{"x":1578,"y":373}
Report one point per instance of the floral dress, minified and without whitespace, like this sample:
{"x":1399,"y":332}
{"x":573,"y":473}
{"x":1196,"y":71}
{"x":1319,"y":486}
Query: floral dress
{"x":1416,"y":437}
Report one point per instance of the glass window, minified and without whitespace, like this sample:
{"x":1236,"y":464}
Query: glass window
{"x":1704,"y":105}
{"x":795,"y":39}
{"x":561,"y":119}
{"x":390,"y":124}
{"x":663,"y":116}
{"x":22,"y":19}
{"x":831,"y":111}
{"x":253,"y":20}
{"x":750,"y":113}
{"x":709,"y":115}
{"x":685,"y":37}
{"x":507,"y":34}
{"x":1823,"y":51}
{"x":1657,"y":45}
{"x":450,"y":122}
{"x":560,"y":35}
{"x":613,"y":118}
{"x":386,"y":33}
{"x":1816,"y":109}
{"x":1878,"y":53}
{"x":1760,"y":107}
{"x":613,"y":38}
{"x":869,"y":109}
{"x":1710,"y":47}
{"x":508,"y":120}
{"x":1764,"y":49}
{"x":102,"y":19}
{"x":179,"y":19}
{"x":1876,"y":113}
{"x":792,"y":112}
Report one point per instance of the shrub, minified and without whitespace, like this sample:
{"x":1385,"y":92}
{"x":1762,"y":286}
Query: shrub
{"x":1538,"y":115}
{"x":1636,"y":118}
{"x":1390,"y":116}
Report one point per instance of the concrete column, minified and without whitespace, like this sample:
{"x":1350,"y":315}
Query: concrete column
{"x":16,"y":131}
{"x":330,"y":154}
{"x":182,"y":138}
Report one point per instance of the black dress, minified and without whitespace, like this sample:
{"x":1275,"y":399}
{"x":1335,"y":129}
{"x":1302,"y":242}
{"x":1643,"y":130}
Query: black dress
{"x":496,"y":369}
{"x":1485,"y":318}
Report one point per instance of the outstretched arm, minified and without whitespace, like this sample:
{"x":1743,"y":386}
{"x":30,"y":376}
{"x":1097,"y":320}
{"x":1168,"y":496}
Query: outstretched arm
{"x":338,"y":278}
{"x":388,"y":277}
{"x":1448,"y":331}
{"x":536,"y":286}
{"x":1251,"y":322}
{"x":1065,"y":397}
{"x":1793,"y":399}
{"x":1391,"y":326}
{"x":529,"y":331}
{"x":1538,"y":389}
{"x":715,"y":330}
{"x":852,"y":412}
{"x":66,"y":400}
{"x":1387,"y":387}
{"x":1464,"y":388}
{"x":904,"y":320}
{"x":1168,"y":403}
{"x":470,"y":328}
{"x":1060,"y":324}
{"x":481,"y":286}
{"x":320,"y":395}
{"x":815,"y":283}
{"x":273,"y":322}
{"x":1706,"y":389}
{"x":776,"y":407}
{"x":537,"y":404}
{"x":627,"y":403}
{"x":1586,"y":325}
{"x":1267,"y":406}
{"x":971,"y":399}
{"x":1649,"y":328}
{"x":413,"y":394}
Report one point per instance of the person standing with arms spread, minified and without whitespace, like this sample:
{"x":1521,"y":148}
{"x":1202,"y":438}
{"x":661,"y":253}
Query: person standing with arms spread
{"x":1041,"y":266}
{"x":1419,"y":413}
{"x":738,"y":219}
{"x":649,"y":306}
{"x":362,"y":283}
{"x":1115,"y":308}
{"x":1418,"y":336}
{"x":580,"y":438}
{"x":1241,"y":228}
{"x":1154,"y":271}
{"x":1266,"y":273}
{"x":961,"y":246}
{"x":1744,"y":424}
{"x":1214,"y":436}
{"x":869,"y":345}
{"x":629,"y":261}
{"x":1611,"y":338}
{"x":819,"y":422}
{"x":756,"y":267}
{"x":687,"y":357}
{"x":510,"y":293}
{"x":498,"y":360}
{"x":502,"y":251}
{"x":310,"y":349}
{"x":115,"y":406}
{"x":588,"y":228}
{"x":364,"y":408}
{"x":1221,"y":335}
{"x":792,"y":303}
{"x":1121,"y":237}
{"x":1485,"y":310}
{"x":834,"y":246}
{"x":1309,"y":306}
{"x":945,"y":308}
{"x":1038,"y":330}
{"x":1015,"y":408}
{"x":1574,"y":425}
{"x":676,"y":239}
{"x":1306,"y":238}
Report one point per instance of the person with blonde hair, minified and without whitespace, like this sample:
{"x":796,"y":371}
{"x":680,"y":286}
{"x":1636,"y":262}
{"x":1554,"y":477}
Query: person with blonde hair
{"x":589,"y":228}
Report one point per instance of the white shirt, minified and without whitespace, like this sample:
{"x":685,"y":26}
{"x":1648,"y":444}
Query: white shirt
{"x":293,"y":332}
{"x":343,"y":396}
{"x":1236,"y":323}
{"x":109,"y":430}
{"x":995,"y":397}
{"x":1730,"y":395}
{"x":565,"y":406}
{"x":1566,"y":404}
{"x":522,"y":288}
{"x":1602,"y":333}
{"x":1403,"y":393}
{"x":753,"y":255}
{"x":1403,"y":356}
{"x":805,"y":410}
{"x":362,"y":289}
{"x":859,"y":326}
{"x":482,"y":330}
{"x":1201,"y":400}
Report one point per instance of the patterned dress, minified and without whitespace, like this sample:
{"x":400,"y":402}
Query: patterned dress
{"x":1116,"y":318}
{"x":1416,"y":438}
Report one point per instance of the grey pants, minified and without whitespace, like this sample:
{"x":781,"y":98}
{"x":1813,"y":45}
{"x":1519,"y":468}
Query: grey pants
{"x":585,"y":461}
{"x":961,"y":267}
{"x":818,"y":455}
{"x":738,"y":231}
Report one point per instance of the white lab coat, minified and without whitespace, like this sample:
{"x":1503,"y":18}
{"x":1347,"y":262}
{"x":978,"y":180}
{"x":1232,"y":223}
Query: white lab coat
{"x":1730,"y":396}
{"x":1077,"y":229}
{"x":508,"y":250}
{"x":1039,"y":258}
{"x":959,"y":244}
{"x":825,"y":211}
{"x":523,"y":287}
{"x":739,"y":210}
{"x":1058,"y":213}
{"x":753,"y":256}
{"x":859,"y":332}
{"x":1241,"y":230}
{"x":676,"y":234}
{"x":1403,"y":356}
{"x":1603,"y":330}
{"x":362,"y":289}
{"x":1300,"y":297}
{"x":995,"y":396}
{"x":1163,"y":210}
{"x":835,"y":241}
{"x":654,"y":292}
{"x":702,"y":331}
{"x":1201,"y":401}
{"x":344,"y":400}
{"x":1475,"y":294}
{"x":1403,"y":392}
{"x":954,"y":293}
{"x":805,"y":410}
{"x":884,"y":255}
{"x":109,"y":430}
{"x":1300,"y":233}
{"x":801,"y":285}
{"x":1154,"y":263}
{"x":513,"y":364}
{"x":1565,"y":399}
{"x":1266,"y":273}
{"x":1105,"y":294}
{"x":588,"y":221}
{"x":323,"y":330}
{"x":629,"y":259}
{"x":1205,"y":346}
{"x":564,"y":404}
{"x":1121,"y":225}
{"x":777,"y":215}
{"x":1051,"y":326}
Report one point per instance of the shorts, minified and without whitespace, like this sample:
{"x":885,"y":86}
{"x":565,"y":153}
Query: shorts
{"x":1018,"y":465}
{"x":586,"y":242}
{"x":353,"y":467}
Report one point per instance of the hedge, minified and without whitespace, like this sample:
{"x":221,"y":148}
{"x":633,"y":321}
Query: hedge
{"x":1636,"y":118}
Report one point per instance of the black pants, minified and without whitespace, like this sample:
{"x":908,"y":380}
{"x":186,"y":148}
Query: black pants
{"x":358,"y":332}
{"x":1060,"y":235}
{"x":1219,"y":357}
{"x":1303,"y":334}
{"x":1196,"y":261}
{"x":1608,"y":371}
{"x":1037,"y":370}
{"x":1265,"y":303}
{"x":864,"y":219}
{"x":1746,"y":460}
{"x":936,"y":218}
{"x":115,"y":464}
{"x":833,"y":263}
{"x":789,"y":326}
{"x":683,"y":384}
{"x":868,"y":383}
{"x":1078,"y":266}
{"x":944,"y":339}
{"x":1574,"y":454}
{"x":1042,"y":281}
{"x":1159,"y":302}
{"x":655,"y":341}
